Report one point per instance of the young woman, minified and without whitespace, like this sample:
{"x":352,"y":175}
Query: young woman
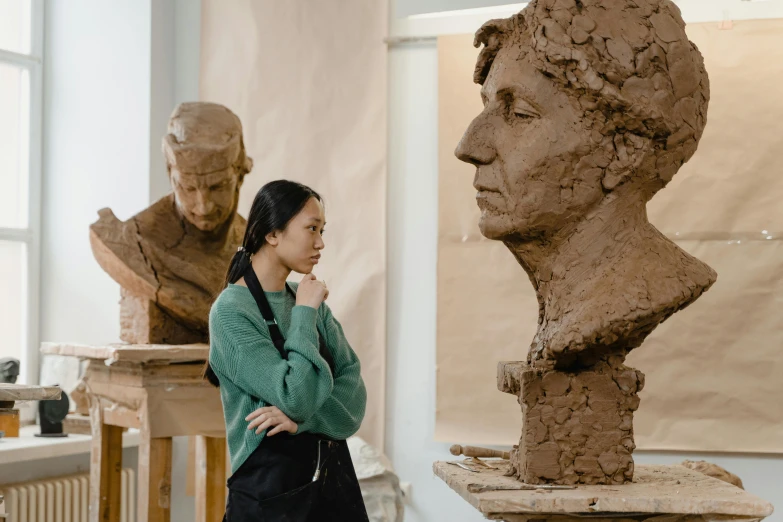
{"x":289,"y":381}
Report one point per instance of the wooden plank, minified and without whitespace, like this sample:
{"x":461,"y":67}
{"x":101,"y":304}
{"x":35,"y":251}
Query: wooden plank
{"x":210,"y":479}
{"x":141,"y":375}
{"x":154,"y":488}
{"x":118,"y":415}
{"x":656,"y":490}
{"x":139,"y":353}
{"x":23,"y":392}
{"x":105,"y":468}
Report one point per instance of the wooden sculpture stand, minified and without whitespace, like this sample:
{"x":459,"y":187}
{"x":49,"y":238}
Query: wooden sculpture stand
{"x":666,"y":493}
{"x":158,"y":390}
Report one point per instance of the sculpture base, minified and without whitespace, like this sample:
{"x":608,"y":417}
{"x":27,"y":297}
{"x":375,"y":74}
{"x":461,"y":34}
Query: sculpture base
{"x":668,"y":493}
{"x":144,"y":322}
{"x":577,"y":428}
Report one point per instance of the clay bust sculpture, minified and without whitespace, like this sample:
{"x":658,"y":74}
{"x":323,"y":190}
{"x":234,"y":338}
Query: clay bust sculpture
{"x":171,"y":258}
{"x":590,"y":108}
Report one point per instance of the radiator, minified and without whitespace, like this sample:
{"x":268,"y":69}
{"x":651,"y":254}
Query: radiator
{"x":63,"y":499}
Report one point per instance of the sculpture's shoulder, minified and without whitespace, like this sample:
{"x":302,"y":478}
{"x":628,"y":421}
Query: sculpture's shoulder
{"x":116,"y":245}
{"x":160,"y":223}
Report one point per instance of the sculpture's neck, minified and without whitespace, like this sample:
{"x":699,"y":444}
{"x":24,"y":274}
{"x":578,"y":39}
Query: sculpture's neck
{"x":590,"y":245}
{"x":596,"y":286}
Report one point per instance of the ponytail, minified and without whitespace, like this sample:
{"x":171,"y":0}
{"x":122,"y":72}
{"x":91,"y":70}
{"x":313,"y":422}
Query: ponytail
{"x":236,"y":270}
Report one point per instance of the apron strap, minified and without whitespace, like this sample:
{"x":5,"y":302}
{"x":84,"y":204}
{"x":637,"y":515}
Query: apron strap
{"x":254,"y":285}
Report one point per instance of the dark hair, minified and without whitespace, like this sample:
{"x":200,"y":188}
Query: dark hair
{"x":274,"y":206}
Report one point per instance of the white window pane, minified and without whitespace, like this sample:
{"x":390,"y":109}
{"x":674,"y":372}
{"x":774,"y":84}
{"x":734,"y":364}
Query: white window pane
{"x":13,"y":302}
{"x":14,"y":145}
{"x":15,"y":23}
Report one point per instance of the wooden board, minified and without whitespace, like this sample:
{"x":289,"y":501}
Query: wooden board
{"x":23,"y":392}
{"x":132,"y":353}
{"x":655,"y":490}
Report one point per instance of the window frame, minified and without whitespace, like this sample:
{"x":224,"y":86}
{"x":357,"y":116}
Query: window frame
{"x":31,"y":234}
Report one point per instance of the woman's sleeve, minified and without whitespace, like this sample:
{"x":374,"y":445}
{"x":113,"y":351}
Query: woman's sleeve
{"x":299,"y":385}
{"x":342,"y":413}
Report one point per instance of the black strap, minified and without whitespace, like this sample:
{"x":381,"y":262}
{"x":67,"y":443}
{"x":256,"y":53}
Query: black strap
{"x":254,"y":285}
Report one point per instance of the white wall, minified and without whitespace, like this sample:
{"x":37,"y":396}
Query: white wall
{"x":96,"y":154}
{"x":412,"y":263}
{"x":113,"y":73}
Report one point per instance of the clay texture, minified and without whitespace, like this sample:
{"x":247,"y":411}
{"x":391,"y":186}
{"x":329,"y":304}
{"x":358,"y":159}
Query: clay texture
{"x":578,"y":427}
{"x":714,"y":471}
{"x":171,"y":258}
{"x":590,"y":108}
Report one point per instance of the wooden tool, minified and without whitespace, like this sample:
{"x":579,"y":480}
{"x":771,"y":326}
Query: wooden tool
{"x":483,"y":488}
{"x":474,"y":451}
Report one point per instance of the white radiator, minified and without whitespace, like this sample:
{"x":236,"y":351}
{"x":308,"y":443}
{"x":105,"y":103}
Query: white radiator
{"x":63,"y":499}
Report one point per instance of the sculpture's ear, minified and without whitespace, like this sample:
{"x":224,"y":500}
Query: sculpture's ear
{"x":243,"y":170}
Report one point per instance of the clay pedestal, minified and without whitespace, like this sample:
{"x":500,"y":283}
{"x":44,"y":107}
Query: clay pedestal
{"x":577,"y":428}
{"x":144,"y":322}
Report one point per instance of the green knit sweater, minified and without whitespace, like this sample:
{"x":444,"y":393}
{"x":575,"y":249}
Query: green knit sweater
{"x":249,"y":366}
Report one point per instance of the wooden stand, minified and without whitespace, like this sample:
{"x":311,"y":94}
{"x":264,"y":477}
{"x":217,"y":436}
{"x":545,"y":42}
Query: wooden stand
{"x":158,"y":390}
{"x":665,"y":493}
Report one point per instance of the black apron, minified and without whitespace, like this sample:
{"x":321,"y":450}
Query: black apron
{"x":294,"y":478}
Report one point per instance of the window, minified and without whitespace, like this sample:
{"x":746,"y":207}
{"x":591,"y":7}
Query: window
{"x":21,"y":49}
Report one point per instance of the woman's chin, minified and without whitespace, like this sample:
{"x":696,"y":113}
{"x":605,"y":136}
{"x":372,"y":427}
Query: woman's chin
{"x":304,"y":268}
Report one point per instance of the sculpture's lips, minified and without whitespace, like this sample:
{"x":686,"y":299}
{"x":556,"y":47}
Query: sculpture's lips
{"x":489,"y":199}
{"x":481,"y":187}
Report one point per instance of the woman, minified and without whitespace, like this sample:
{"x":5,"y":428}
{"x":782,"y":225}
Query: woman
{"x":289,"y":381}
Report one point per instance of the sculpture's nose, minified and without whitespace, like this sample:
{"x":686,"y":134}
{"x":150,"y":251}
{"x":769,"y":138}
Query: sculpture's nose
{"x":476,"y":146}
{"x":204,"y":204}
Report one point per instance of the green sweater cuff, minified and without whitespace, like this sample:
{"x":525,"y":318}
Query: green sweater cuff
{"x":304,"y":316}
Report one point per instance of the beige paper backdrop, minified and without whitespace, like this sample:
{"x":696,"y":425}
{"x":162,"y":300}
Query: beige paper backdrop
{"x":308,"y":81}
{"x":715,"y":371}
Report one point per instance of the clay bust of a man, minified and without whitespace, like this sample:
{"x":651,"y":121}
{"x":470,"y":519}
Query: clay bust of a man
{"x":171,"y":258}
{"x":590,"y":108}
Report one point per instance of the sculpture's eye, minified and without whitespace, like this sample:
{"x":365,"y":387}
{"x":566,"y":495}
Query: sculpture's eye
{"x":523,"y":110}
{"x":190,"y":190}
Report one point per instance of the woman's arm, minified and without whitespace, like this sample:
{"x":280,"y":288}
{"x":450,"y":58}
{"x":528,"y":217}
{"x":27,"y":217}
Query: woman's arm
{"x":342,"y":413}
{"x":298,"y":386}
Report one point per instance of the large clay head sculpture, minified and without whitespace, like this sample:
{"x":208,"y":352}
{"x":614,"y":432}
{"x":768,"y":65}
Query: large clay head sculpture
{"x":590,"y":108}
{"x":206,"y":160}
{"x":170,"y":258}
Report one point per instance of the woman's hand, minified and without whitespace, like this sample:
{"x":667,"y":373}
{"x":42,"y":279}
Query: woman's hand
{"x":311,"y":292}
{"x":269,"y":416}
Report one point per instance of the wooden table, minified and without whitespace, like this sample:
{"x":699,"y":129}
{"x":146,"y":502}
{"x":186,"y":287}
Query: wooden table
{"x":668,"y":493}
{"x":157,"y":389}
{"x":10,"y":393}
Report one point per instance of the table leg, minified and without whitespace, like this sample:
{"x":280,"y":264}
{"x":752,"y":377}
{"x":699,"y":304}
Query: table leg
{"x":210,"y":479}
{"x":154,"y":489}
{"x":105,"y":468}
